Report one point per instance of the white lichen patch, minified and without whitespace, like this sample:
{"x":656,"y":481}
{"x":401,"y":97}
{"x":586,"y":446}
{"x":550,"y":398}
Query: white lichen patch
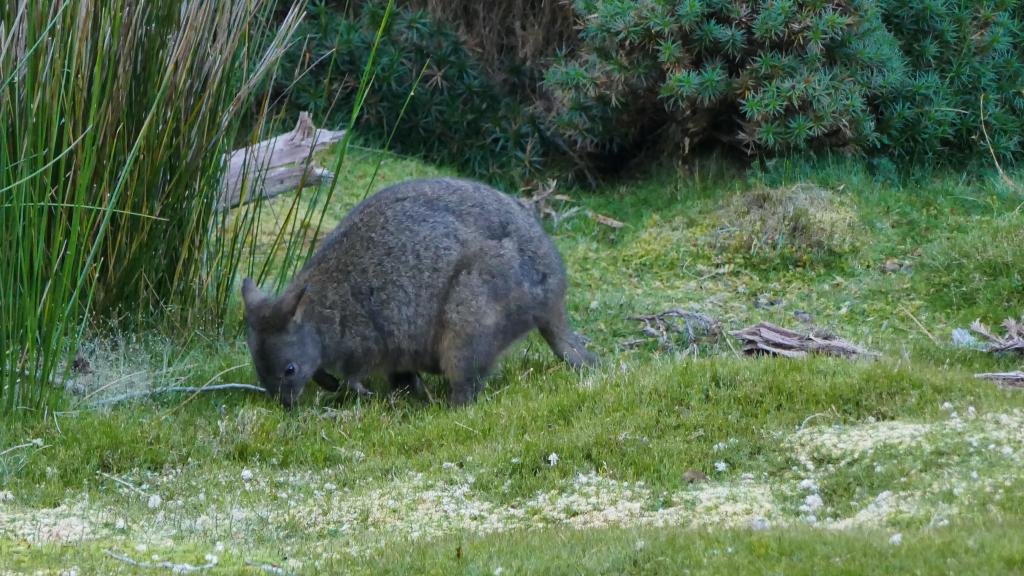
{"x":64,"y":524}
{"x":848,"y":443}
{"x":955,"y":463}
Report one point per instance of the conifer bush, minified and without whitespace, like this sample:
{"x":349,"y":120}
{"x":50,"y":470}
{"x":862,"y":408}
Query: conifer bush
{"x":767,"y":76}
{"x":965,"y":67}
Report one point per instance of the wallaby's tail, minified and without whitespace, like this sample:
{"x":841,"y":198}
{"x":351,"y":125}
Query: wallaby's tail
{"x":565,"y":343}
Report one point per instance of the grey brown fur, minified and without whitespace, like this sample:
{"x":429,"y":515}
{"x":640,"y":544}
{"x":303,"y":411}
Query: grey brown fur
{"x":436,"y":276}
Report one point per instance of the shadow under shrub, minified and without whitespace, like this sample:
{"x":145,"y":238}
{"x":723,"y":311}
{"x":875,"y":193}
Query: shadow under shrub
{"x":454,"y":113}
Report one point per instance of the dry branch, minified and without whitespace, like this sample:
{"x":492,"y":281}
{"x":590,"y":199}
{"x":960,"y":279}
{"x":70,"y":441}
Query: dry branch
{"x":1004,"y":379}
{"x":661,"y":326}
{"x":1013,"y":341}
{"x":766,"y":338}
{"x":277,"y":165}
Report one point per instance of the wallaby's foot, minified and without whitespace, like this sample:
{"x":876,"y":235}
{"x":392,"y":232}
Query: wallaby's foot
{"x":567,"y":344}
{"x":577,"y":355}
{"x":357,"y":388}
{"x":326,"y":381}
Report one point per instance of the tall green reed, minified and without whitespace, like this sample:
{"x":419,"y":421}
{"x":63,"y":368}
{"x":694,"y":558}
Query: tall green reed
{"x":114,"y":116}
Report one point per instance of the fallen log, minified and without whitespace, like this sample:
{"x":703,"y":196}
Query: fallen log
{"x":277,"y":165}
{"x":767,"y":338}
{"x":1004,"y":379}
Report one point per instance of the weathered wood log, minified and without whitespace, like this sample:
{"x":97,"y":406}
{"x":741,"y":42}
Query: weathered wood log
{"x":1004,"y":379}
{"x":277,"y":165}
{"x":766,"y":338}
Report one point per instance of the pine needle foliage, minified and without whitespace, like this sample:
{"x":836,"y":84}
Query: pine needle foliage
{"x":771,"y":75}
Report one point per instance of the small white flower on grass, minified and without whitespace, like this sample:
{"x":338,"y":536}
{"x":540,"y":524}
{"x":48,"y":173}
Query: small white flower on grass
{"x":37,"y":442}
{"x":516,"y":460}
{"x":246,"y":475}
{"x":974,"y":474}
{"x":120,"y":524}
{"x":218,"y":547}
{"x":330,"y":487}
{"x":808,"y":485}
{"x":447,"y":466}
{"x":947,"y":406}
{"x":878,"y":468}
{"x":210,"y":558}
{"x":719,"y":447}
{"x":721,"y":466}
{"x":971,"y":411}
{"x":155,"y":501}
{"x":6,"y":496}
{"x":499,"y":571}
{"x":552,"y":459}
{"x":1007,"y":451}
{"x":640,"y":544}
{"x":896,"y":539}
{"x":811,"y":503}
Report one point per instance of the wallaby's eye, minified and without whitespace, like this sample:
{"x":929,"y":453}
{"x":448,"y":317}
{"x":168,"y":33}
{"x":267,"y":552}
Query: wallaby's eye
{"x":290,"y":369}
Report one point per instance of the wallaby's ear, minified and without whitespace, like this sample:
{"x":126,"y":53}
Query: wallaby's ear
{"x":251,"y":295}
{"x":291,"y":305}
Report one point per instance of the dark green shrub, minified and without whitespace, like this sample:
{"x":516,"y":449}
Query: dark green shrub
{"x":456,"y":115}
{"x":771,"y":75}
{"x":964,"y":57}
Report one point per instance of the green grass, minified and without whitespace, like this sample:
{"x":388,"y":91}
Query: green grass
{"x":910,"y":443}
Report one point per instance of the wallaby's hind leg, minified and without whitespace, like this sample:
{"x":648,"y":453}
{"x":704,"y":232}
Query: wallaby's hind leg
{"x":565,"y":343}
{"x":326,"y":381}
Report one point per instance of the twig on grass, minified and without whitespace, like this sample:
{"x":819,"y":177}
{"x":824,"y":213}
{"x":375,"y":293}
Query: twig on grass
{"x":37,"y":443}
{"x":268,"y":568}
{"x":182,"y":568}
{"x":1006,"y":179}
{"x":124,"y":483}
{"x":921,"y":326}
{"x":175,"y":389}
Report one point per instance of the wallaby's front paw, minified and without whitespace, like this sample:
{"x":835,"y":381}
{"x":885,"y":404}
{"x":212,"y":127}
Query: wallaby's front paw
{"x":359,"y":389}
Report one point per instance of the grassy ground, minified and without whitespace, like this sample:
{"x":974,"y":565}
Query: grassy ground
{"x":902,"y":464}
